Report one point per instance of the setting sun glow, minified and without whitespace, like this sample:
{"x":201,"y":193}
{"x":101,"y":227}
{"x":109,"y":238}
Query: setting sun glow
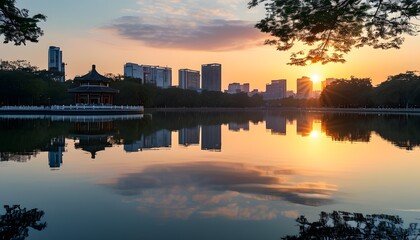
{"x":315,"y":78}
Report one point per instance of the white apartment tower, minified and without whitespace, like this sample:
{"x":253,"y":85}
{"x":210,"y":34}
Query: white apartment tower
{"x":55,"y":61}
{"x":159,"y":76}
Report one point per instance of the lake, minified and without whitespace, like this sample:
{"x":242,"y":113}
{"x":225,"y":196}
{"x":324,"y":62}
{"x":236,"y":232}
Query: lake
{"x":205,"y":175}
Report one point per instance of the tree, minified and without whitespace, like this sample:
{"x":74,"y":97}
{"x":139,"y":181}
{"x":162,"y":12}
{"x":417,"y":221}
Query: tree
{"x":17,"y":26}
{"x":20,"y":65}
{"x":333,"y":27}
{"x":347,"y":93}
{"x":401,"y":90}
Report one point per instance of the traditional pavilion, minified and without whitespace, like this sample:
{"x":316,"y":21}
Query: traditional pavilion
{"x":93,"y":89}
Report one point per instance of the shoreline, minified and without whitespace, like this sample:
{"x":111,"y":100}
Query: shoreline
{"x":411,"y":111}
{"x":71,"y":110}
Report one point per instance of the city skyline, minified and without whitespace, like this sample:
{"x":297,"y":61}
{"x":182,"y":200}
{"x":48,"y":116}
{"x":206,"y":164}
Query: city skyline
{"x":111,"y":42}
{"x":192,"y":79}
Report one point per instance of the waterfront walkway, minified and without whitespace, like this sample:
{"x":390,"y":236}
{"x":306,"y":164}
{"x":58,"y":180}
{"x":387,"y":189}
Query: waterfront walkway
{"x":72,"y":109}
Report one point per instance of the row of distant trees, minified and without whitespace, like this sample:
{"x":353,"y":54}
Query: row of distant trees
{"x":23,"y":84}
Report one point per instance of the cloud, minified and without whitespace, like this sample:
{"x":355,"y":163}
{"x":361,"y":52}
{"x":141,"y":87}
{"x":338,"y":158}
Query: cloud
{"x":188,"y":25}
{"x":209,"y":35}
{"x":211,"y":189}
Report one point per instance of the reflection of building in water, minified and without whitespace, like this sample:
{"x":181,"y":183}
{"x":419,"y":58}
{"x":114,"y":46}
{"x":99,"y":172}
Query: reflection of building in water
{"x":236,"y":127}
{"x":55,"y":149}
{"x":93,"y":136}
{"x":211,"y":137}
{"x":276,"y":123}
{"x":159,"y":139}
{"x":189,"y":136}
{"x":304,"y":125}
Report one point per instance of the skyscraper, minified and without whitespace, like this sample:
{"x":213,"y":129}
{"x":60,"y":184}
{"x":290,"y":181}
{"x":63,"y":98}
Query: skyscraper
{"x":189,"y":79}
{"x":55,"y":62}
{"x":132,"y":70}
{"x":211,"y":79}
{"x":304,"y":88}
{"x":276,"y":90}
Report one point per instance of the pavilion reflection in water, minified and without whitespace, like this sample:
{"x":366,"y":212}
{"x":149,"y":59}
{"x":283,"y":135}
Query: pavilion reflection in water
{"x":93,"y":136}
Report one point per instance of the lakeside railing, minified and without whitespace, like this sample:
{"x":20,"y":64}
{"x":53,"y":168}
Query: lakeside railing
{"x":72,"y":107}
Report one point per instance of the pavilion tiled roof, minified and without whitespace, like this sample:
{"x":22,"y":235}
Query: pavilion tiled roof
{"x":93,"y":76}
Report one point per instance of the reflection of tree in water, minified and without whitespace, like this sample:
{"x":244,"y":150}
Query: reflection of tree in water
{"x":402,"y":130}
{"x":16,"y":157}
{"x":15,"y":223}
{"x":344,"y":225}
{"x":347,"y":127}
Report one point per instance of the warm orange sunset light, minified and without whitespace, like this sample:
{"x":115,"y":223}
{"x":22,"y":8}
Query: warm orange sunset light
{"x":314,"y":134}
{"x":315,"y":78}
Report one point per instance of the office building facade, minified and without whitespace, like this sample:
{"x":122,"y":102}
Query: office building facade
{"x":55,"y":62}
{"x":132,"y":70}
{"x":276,"y":90}
{"x":238,"y":88}
{"x":189,"y":79}
{"x":304,"y":88}
{"x":157,"y":75}
{"x":211,"y":78}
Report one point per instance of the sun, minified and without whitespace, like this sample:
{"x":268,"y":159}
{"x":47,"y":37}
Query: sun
{"x":315,"y":78}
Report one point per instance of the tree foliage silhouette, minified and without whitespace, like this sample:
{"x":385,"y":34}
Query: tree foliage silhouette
{"x":354,"y":92}
{"x":15,"y":223}
{"x":333,"y":27}
{"x":17,"y":26}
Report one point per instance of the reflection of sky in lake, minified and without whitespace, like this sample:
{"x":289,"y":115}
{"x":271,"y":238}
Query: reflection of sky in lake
{"x":249,"y":180}
{"x":212,"y":189}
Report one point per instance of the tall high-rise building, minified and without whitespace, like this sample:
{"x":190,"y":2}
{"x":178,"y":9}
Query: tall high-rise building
{"x":276,"y":90}
{"x":159,"y":76}
{"x":304,"y":88}
{"x":55,"y":62}
{"x":211,"y":78}
{"x":132,"y":70}
{"x":189,"y":79}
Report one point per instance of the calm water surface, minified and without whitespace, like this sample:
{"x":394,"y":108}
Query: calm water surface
{"x":230,"y":175}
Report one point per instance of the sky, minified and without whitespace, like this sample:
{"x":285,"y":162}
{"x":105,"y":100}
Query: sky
{"x":186,"y":34}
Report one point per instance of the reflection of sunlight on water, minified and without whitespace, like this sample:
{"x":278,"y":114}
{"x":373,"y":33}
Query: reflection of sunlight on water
{"x":314,"y":134}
